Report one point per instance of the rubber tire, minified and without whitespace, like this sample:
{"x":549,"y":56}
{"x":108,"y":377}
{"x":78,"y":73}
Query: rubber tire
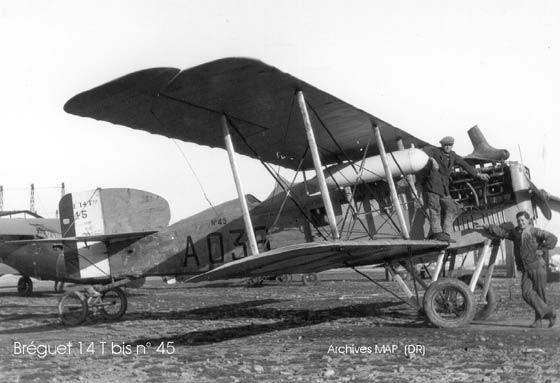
{"x":58,"y":287}
{"x":445,"y":283}
{"x":255,"y":281}
{"x":484,"y":312}
{"x":124,"y":304}
{"x":310,"y":279}
{"x":83,"y":312}
{"x":25,"y":286}
{"x":284,"y":279}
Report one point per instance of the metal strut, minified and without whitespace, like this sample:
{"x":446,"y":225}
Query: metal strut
{"x":408,"y":302}
{"x":480,"y":264}
{"x":490,"y":269}
{"x":239,"y":186}
{"x":391,"y":183}
{"x":318,"y":166}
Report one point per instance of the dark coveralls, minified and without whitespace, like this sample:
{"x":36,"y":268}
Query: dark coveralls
{"x":436,"y":188}
{"x":532,"y":265}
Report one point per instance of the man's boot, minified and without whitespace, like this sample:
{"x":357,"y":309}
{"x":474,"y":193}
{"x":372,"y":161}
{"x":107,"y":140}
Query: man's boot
{"x":536,"y":324}
{"x":448,"y":238}
{"x":551,"y":316}
{"x":440,"y":237}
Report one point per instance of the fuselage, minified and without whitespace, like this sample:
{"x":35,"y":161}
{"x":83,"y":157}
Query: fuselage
{"x":217,"y":235}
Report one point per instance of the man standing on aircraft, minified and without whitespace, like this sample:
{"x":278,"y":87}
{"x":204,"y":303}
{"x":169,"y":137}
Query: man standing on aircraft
{"x":528,"y":242}
{"x":436,"y":187}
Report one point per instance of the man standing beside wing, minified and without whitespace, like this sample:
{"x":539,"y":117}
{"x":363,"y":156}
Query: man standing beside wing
{"x":528,"y":245}
{"x":436,"y":187}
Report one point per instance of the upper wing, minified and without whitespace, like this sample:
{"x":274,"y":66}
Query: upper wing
{"x":258,"y":99}
{"x":319,"y":256}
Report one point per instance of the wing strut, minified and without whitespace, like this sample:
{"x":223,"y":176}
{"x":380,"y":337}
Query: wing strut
{"x":240,"y":193}
{"x":389,"y":177}
{"x":410,"y":179}
{"x":318,"y":167}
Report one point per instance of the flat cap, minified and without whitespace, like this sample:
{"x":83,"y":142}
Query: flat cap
{"x":447,"y":140}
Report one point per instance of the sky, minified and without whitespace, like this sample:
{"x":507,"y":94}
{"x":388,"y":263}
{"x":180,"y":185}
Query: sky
{"x":432,"y":68}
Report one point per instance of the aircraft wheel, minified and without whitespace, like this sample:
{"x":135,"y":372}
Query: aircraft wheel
{"x":255,"y":281}
{"x":484,"y":306}
{"x":284,"y":279}
{"x":25,"y":286}
{"x":72,"y":308}
{"x":58,"y":287}
{"x":113,"y":304}
{"x":449,"y":303}
{"x":310,"y":279}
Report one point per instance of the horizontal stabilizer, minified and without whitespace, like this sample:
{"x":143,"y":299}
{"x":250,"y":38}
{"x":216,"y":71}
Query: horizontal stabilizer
{"x":92,"y":238}
{"x":319,"y":256}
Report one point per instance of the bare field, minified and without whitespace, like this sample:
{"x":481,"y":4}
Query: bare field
{"x":343,"y":329}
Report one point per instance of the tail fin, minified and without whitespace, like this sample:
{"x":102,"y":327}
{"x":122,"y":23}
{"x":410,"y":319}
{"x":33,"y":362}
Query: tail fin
{"x":277,"y":188}
{"x":482,"y":150}
{"x":106,"y":213}
{"x":112,"y":211}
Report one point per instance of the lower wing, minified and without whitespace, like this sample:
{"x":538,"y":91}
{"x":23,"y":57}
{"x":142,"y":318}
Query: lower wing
{"x":320,"y":256}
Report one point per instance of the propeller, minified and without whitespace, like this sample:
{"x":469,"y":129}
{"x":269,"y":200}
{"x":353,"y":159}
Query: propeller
{"x":554,"y":202}
{"x":541,"y":198}
{"x":545,"y":201}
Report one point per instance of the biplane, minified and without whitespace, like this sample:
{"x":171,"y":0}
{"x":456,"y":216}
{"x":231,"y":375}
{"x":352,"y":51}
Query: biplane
{"x":352,"y":212}
{"x":17,"y":228}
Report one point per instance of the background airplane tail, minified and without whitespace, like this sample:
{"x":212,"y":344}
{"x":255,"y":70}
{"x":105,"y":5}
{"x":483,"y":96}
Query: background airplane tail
{"x":103,"y":215}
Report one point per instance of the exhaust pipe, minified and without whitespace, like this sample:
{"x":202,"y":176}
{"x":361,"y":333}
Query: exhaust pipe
{"x":482,"y":150}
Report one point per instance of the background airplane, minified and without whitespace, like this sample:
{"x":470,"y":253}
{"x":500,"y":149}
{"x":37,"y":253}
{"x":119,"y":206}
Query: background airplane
{"x":28,"y":264}
{"x":122,"y":236}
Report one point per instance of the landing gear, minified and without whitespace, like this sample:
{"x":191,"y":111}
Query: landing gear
{"x":310,"y":279}
{"x":72,"y":308}
{"x":284,"y":279}
{"x":58,"y":287}
{"x":75,"y":306}
{"x":449,"y":303}
{"x":255,"y":281}
{"x":485,"y":306}
{"x":25,"y":286}
{"x":113,"y":304}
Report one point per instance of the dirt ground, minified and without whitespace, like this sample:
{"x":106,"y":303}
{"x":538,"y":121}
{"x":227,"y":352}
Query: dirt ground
{"x":343,"y":329}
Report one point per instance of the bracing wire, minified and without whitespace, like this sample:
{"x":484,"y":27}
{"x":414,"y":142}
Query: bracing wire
{"x":195,"y":176}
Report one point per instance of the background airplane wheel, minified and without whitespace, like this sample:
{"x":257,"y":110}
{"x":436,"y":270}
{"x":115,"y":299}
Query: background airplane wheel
{"x":114,"y":303}
{"x":484,"y":306}
{"x":310,"y":279}
{"x":72,"y":308}
{"x":284,"y":279}
{"x":25,"y":286}
{"x":58,"y":287}
{"x":449,"y":302}
{"x":255,"y":281}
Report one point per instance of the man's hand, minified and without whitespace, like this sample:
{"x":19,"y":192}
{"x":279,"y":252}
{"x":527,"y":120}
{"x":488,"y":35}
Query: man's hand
{"x":435,"y":165}
{"x":484,"y":177}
